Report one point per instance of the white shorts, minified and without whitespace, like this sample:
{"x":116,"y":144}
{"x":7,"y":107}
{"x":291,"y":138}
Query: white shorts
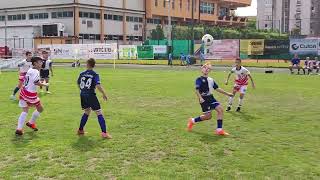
{"x":23,"y":103}
{"x":240,"y":89}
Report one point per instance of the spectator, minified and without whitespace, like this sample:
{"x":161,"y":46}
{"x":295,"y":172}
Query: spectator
{"x":182,"y":58}
{"x":306,"y":66}
{"x":188,"y":60}
{"x":170,"y":59}
{"x":295,"y":64}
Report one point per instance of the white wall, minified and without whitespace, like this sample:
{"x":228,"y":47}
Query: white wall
{"x":113,"y":3}
{"x":13,"y":34}
{"x":26,"y":3}
{"x":136,"y":4}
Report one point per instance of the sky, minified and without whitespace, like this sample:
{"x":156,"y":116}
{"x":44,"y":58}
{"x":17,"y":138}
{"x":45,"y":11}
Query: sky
{"x":248,"y":11}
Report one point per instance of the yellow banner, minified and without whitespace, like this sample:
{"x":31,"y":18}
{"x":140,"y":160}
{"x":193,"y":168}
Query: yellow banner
{"x":252,"y":46}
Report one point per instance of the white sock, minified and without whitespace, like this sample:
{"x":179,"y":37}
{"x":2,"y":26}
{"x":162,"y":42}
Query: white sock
{"x":240,"y":102}
{"x":230,"y":101}
{"x":34,"y":117}
{"x":21,"y":120}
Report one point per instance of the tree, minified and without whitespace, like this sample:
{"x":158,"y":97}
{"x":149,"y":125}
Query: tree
{"x":157,"y":34}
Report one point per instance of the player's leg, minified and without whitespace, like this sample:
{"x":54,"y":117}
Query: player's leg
{"x":22,"y":117}
{"x":219,"y":130}
{"x":85,"y":104}
{"x":242,"y":91}
{"x":47,"y":87}
{"x":83,"y":121}
{"x":291,"y":69}
{"x":35,"y":115}
{"x":204,"y":117}
{"x":299,"y":68}
{"x":234,"y":92}
{"x":95,"y":106}
{"x":19,"y":86}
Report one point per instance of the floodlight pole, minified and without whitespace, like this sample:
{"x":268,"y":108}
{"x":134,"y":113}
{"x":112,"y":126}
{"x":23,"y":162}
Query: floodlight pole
{"x":5,"y":35}
{"x":169,"y":26}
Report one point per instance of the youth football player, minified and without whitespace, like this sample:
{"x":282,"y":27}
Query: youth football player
{"x":204,"y":89}
{"x":306,"y":66}
{"x":241,"y":83}
{"x":46,"y":70}
{"x":29,"y":98}
{"x":88,"y":81}
{"x":24,"y":66}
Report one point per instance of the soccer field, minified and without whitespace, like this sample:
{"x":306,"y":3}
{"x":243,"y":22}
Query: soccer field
{"x":276,"y":136}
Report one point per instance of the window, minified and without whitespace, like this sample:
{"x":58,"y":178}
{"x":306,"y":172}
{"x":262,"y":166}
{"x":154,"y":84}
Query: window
{"x":64,"y":14}
{"x":90,"y":15}
{"x":134,"y":19}
{"x":16,"y":17}
{"x":136,"y":27}
{"x":173,"y":4}
{"x":2,"y":18}
{"x":206,"y":8}
{"x":180,"y":4}
{"x":89,"y":24}
{"x":154,"y":21}
{"x":164,"y":3}
{"x":188,"y":5}
{"x":156,"y":3}
{"x":39,"y":16}
{"x":266,"y":25}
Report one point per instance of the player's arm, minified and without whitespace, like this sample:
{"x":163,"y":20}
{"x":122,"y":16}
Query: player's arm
{"x":38,"y":83}
{"x":50,"y":67}
{"x":100,"y":88}
{"x":228,"y":78}
{"x":201,"y":100}
{"x":252,"y":82}
{"x":224,"y":92}
{"x":102,"y":91}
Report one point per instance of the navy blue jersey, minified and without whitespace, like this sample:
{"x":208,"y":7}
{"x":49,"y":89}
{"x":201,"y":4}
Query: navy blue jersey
{"x":87,"y":82}
{"x":205,"y":85}
{"x":295,"y":61}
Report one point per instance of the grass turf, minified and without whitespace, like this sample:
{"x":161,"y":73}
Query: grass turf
{"x":275,"y":137}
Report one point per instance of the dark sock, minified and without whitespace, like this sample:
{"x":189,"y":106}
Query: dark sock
{"x":102,"y":123}
{"x":83,"y":121}
{"x":47,"y":88}
{"x":197,"y":119}
{"x":15,"y":91}
{"x":219,"y":123}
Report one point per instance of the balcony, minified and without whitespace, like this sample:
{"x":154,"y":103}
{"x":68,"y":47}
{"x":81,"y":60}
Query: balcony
{"x":232,"y":20}
{"x":235,"y":3}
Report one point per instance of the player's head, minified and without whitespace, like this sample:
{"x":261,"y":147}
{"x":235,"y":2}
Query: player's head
{"x":36,"y":62}
{"x":238,"y":62}
{"x":45,"y":55}
{"x":296,"y":56}
{"x":316,"y":58}
{"x":308,"y":58}
{"x":28,"y":55}
{"x":91,"y":63}
{"x":206,"y":68}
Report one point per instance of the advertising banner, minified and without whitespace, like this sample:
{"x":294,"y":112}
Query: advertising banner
{"x":145,"y":52}
{"x":127,"y":52}
{"x":159,"y":49}
{"x":103,"y":51}
{"x":275,"y":47}
{"x":304,"y":46}
{"x":252,"y":46}
{"x":222,"y":49}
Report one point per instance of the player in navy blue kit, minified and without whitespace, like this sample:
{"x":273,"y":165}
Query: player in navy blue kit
{"x":88,"y":81}
{"x":204,"y":88}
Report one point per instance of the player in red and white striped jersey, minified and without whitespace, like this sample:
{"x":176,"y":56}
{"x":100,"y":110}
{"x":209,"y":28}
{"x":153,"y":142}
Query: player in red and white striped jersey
{"x":241,"y":83}
{"x":29,"y":97}
{"x":24,"y":66}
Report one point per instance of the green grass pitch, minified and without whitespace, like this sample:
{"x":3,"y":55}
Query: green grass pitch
{"x":277,"y":136}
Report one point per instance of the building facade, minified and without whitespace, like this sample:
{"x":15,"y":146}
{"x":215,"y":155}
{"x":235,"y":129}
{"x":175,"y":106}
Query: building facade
{"x":288,"y":16}
{"x":105,"y":21}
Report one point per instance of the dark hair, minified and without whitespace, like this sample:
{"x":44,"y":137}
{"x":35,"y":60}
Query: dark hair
{"x":35,"y":59}
{"x":91,"y":62}
{"x":238,"y":59}
{"x":28,"y":52}
{"x":44,"y":52}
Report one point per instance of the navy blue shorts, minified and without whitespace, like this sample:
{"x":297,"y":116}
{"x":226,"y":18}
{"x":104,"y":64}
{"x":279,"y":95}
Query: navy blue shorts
{"x":90,"y":101}
{"x":44,"y":73}
{"x":209,"y":104}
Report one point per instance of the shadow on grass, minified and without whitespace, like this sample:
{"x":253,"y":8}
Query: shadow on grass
{"x":26,"y":139}
{"x":85,"y":144}
{"x":208,"y":137}
{"x":244,"y":116}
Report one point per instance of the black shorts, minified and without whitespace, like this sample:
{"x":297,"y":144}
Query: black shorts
{"x":44,"y":73}
{"x":209,"y":104}
{"x":90,"y":101}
